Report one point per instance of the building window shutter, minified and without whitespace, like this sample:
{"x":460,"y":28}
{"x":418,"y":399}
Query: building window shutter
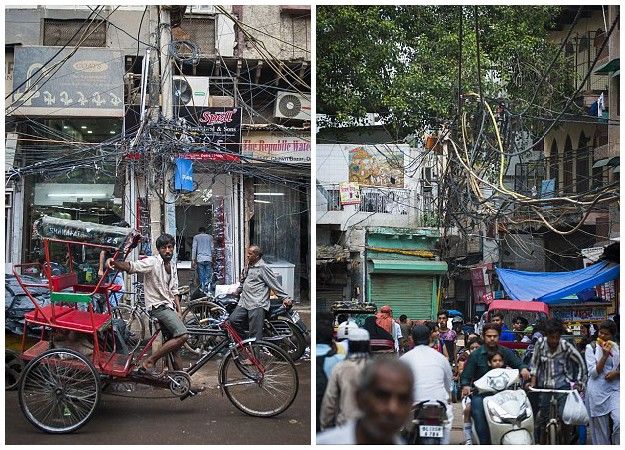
{"x":58,"y":32}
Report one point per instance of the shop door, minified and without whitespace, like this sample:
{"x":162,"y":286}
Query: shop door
{"x":405,"y":294}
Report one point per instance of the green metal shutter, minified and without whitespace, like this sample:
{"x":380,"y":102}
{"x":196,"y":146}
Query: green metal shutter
{"x":405,"y":294}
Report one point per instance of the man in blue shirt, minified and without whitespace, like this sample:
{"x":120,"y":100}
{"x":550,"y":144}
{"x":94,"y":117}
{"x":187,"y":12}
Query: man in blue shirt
{"x":202,"y":258}
{"x":506,"y":335}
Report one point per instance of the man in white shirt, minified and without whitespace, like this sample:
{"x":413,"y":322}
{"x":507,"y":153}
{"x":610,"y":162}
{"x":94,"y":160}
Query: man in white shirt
{"x":162,"y":301}
{"x":432,"y":374}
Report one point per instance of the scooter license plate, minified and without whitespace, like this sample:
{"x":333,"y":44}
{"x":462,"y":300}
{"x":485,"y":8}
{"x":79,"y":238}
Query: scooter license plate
{"x":430,"y":431}
{"x":295,"y":316}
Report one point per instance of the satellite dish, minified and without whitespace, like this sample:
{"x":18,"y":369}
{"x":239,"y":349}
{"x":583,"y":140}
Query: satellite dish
{"x":182,"y":92}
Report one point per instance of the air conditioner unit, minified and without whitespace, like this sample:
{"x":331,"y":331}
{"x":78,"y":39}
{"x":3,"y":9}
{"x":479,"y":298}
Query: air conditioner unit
{"x":292,"y":106}
{"x":191,"y":91}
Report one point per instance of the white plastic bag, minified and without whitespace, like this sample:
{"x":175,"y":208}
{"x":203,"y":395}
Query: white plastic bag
{"x":574,"y":410}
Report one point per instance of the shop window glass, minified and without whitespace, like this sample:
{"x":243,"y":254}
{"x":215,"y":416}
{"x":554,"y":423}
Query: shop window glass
{"x":279,"y":227}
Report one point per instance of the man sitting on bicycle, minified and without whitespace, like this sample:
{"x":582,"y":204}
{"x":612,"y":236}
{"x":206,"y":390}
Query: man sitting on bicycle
{"x":162,"y":300}
{"x":253,"y":289}
{"x":556,"y":364}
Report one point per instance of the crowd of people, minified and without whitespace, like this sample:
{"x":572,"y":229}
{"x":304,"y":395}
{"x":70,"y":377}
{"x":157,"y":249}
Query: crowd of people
{"x":440,"y":361}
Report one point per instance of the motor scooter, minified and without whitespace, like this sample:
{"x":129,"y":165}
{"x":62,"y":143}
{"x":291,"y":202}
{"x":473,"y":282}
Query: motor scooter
{"x":428,"y":423}
{"x":280,"y":321}
{"x":508,"y":412}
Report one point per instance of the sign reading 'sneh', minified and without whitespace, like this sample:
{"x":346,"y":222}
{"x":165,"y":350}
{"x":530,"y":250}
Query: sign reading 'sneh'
{"x":89,"y":81}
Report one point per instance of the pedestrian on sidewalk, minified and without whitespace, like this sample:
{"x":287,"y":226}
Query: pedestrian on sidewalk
{"x":202,"y":258}
{"x":339,"y":401}
{"x":604,"y":387}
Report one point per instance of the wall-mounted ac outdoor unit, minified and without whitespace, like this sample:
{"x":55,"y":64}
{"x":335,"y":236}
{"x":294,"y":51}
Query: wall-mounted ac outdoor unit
{"x":191,"y":91}
{"x":292,"y":106}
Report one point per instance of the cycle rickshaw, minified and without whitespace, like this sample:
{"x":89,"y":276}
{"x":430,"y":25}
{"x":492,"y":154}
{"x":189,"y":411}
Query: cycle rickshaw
{"x":60,"y":387}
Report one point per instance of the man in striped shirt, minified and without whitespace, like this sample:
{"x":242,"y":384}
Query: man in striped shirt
{"x":556,"y":364}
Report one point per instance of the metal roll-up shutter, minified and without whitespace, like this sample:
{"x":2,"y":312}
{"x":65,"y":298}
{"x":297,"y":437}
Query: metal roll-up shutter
{"x":405,"y":294}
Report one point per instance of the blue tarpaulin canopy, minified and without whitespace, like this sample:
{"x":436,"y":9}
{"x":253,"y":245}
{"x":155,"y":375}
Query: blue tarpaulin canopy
{"x":552,"y":287}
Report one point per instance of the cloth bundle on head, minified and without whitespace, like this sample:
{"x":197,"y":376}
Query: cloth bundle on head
{"x":384,"y":319}
{"x":375,"y":330}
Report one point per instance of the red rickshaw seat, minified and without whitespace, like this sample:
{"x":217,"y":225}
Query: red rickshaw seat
{"x":60,"y":282}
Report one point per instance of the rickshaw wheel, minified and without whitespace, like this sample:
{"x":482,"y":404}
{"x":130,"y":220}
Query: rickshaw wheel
{"x":13,"y":368}
{"x":59,"y":391}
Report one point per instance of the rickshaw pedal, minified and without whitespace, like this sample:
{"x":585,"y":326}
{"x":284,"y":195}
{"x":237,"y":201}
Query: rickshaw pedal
{"x":190,"y":393}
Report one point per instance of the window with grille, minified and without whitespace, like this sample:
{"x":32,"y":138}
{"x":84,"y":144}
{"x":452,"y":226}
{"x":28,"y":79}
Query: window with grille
{"x":567,"y":167}
{"x":334,"y":200}
{"x":57,"y":32}
{"x":201,"y":31}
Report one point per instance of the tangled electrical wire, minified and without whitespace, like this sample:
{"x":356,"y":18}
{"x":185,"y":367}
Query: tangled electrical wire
{"x":185,"y":52}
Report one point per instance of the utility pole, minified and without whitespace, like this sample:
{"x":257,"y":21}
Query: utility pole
{"x":153,"y":198}
{"x":168,"y":112}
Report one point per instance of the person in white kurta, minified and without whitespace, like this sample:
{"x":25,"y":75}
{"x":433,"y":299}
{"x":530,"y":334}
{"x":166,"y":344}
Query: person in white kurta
{"x":432,"y":375}
{"x":603,"y":390}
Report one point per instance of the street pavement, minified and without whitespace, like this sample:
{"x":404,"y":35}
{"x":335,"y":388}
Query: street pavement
{"x":208,"y":418}
{"x":143,"y":418}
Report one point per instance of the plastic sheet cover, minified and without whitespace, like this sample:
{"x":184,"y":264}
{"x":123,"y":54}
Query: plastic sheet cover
{"x":552,"y":287}
{"x":84,"y":232}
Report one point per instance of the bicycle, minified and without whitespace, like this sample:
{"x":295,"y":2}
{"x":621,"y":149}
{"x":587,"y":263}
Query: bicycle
{"x":135,"y":317}
{"x":258,"y":378}
{"x":553,"y":428}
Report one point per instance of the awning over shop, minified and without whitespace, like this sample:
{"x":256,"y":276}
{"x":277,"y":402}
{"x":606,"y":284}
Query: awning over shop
{"x":552,"y":287}
{"x":611,"y":66}
{"x":612,"y":162}
{"x":408,"y":266}
{"x":332,"y":253}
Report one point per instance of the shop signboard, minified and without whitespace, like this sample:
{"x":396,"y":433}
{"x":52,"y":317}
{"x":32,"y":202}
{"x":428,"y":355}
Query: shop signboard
{"x":349,"y":193}
{"x":183,"y":177}
{"x":277,"y":147}
{"x":580,"y":313}
{"x":75,"y":82}
{"x":591,"y":254}
{"x":221,"y":126}
{"x":482,"y":294}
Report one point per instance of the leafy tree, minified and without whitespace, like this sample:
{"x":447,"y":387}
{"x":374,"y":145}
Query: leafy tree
{"x":402,"y":62}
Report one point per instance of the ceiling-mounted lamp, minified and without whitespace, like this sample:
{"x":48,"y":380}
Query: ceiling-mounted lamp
{"x":78,"y":194}
{"x":261,"y":201}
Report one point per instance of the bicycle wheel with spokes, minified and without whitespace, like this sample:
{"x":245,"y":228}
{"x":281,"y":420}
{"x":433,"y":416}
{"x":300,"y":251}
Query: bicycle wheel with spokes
{"x":197,"y":315}
{"x":59,"y":391}
{"x":264,"y":390}
{"x":134,"y":328}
